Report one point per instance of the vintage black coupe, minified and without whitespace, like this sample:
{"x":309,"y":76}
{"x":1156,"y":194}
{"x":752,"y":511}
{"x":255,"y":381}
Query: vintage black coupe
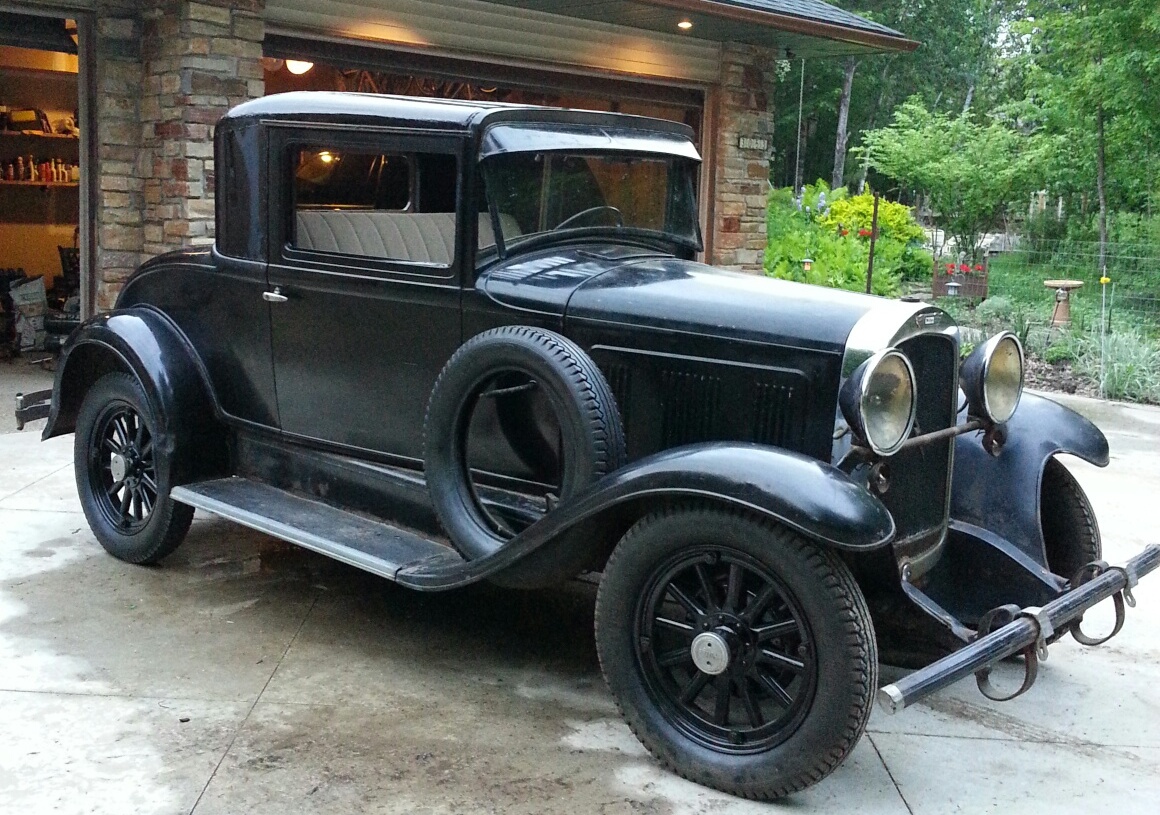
{"x":449,"y":341}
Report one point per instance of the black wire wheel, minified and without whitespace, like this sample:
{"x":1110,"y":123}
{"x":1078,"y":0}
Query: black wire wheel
{"x":123,"y":474}
{"x":741,"y":654}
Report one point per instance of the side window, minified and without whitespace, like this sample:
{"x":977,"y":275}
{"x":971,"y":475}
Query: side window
{"x":366,"y":203}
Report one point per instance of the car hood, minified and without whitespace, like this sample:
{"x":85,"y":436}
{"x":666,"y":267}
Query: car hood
{"x":638,"y":287}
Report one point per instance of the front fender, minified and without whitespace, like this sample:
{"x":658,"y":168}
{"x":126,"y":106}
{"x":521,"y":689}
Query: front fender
{"x":806,"y":495}
{"x":144,"y":343}
{"x":1001,"y":493}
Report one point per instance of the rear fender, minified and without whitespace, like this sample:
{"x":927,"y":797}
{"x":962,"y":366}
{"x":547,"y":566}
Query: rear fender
{"x":1001,"y":493}
{"x":809,"y":496}
{"x":144,"y":343}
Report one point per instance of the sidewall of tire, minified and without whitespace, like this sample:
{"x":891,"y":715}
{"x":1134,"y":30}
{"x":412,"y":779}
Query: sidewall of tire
{"x":844,"y":686}
{"x":169,"y":520}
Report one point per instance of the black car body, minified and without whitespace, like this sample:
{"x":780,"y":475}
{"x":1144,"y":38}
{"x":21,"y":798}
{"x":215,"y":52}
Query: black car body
{"x":450,"y":341}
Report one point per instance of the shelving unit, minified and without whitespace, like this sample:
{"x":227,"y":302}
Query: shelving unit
{"x":39,"y":184}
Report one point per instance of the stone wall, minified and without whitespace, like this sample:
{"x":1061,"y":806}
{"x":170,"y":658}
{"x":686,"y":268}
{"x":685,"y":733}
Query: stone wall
{"x":166,"y":72}
{"x":741,"y":186}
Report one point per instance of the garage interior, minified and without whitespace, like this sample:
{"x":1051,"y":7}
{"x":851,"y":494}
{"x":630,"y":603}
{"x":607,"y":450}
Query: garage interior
{"x":41,"y":262}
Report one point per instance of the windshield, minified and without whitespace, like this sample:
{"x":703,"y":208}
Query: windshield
{"x":537,"y":194}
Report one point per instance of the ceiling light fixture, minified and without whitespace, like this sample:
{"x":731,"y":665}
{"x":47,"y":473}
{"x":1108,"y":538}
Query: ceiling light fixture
{"x":298,"y":66}
{"x":685,"y":25}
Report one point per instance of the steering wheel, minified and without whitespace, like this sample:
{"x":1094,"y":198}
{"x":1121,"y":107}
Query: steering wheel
{"x":590,"y":211}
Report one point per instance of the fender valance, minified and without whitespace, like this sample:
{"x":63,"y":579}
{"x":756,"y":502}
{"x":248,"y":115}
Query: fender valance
{"x":808,"y":496}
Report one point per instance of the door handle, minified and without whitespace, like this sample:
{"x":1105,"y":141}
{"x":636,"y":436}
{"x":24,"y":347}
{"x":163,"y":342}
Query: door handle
{"x":275,"y":296}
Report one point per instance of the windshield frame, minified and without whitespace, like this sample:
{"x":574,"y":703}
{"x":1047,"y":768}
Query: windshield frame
{"x":659,"y":239}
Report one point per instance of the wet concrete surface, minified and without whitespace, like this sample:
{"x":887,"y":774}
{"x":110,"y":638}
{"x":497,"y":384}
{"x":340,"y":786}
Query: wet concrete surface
{"x":245,"y":675}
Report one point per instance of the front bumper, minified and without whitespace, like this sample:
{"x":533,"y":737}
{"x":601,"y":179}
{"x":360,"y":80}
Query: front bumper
{"x":1027,"y":631}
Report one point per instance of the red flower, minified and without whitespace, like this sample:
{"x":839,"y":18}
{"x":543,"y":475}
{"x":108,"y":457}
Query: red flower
{"x":950,"y":268}
{"x":863,"y":233}
{"x":964,"y":268}
{"x":845,"y":232}
{"x":978,"y":267}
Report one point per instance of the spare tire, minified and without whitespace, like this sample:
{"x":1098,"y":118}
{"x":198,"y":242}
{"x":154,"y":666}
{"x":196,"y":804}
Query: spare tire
{"x":591,"y":436}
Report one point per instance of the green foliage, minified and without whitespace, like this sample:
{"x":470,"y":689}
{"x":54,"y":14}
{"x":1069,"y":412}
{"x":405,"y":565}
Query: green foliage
{"x":813,"y":227}
{"x":971,"y":172}
{"x":1130,"y":364}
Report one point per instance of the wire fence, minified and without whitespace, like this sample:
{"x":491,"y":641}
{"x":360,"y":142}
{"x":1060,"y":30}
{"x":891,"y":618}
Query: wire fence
{"x":1125,"y":293}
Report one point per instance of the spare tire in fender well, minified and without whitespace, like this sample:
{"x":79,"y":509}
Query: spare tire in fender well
{"x":592,"y":438}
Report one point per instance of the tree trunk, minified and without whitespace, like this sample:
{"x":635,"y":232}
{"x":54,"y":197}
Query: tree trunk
{"x":873,"y":120}
{"x":843,"y":134}
{"x":970,"y":97}
{"x":1101,"y":189}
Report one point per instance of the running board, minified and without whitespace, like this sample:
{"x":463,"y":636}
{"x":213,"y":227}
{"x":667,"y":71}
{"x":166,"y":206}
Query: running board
{"x":370,"y":545}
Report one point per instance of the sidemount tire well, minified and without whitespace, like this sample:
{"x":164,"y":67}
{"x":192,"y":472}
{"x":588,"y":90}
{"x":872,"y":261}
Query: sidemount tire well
{"x":591,"y":434}
{"x":838,"y":648}
{"x":117,"y":443}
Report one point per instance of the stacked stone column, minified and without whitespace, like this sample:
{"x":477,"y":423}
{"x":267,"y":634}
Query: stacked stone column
{"x":741,"y":186}
{"x":167,"y":70}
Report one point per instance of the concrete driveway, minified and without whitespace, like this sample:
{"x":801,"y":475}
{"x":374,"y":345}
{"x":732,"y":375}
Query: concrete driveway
{"x":248,"y":676}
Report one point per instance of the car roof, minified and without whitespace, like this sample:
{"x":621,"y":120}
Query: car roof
{"x":408,"y":111}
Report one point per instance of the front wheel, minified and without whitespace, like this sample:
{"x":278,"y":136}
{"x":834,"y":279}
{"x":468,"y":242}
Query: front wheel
{"x":740,"y":654}
{"x":123,"y":475}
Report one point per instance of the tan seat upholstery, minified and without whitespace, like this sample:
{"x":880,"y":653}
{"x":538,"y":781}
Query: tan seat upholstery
{"x":416,"y":237}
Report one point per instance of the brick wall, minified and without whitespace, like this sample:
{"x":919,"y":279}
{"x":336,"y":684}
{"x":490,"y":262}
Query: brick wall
{"x":742,"y":176}
{"x":166,"y":72}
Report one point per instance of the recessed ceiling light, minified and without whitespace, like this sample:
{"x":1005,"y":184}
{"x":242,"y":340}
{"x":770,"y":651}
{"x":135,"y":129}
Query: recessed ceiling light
{"x":685,"y":25}
{"x":298,"y":66}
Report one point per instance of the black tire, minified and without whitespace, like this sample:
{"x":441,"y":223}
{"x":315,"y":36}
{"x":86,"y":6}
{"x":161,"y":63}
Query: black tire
{"x":816,"y":711}
{"x":591,"y":436}
{"x":133,"y":518}
{"x":1070,"y":532}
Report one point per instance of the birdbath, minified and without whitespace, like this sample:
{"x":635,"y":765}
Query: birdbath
{"x":1062,"y":314}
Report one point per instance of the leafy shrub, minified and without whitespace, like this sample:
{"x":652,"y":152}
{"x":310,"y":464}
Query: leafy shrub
{"x":1131,"y":364}
{"x":812,"y":227}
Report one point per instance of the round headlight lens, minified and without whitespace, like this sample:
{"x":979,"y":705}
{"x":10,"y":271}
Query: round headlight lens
{"x":878,"y":401}
{"x":1003,"y":379}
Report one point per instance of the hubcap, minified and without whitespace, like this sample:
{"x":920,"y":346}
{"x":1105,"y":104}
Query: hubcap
{"x":119,"y":466}
{"x":710,"y":653}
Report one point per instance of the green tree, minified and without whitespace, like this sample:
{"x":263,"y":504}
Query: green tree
{"x":970,"y":172}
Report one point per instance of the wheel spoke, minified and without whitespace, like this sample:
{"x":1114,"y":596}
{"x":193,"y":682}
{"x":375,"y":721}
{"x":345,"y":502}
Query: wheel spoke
{"x":754,"y":609}
{"x":706,"y":586}
{"x":115,"y":487}
{"x":135,"y":507}
{"x":677,"y":656}
{"x":126,"y":499}
{"x":721,"y":703}
{"x":733,"y":592}
{"x":684,"y":600}
{"x":774,"y":689}
{"x":673,"y":625}
{"x":147,"y":450}
{"x":694,"y":688}
{"x":766,"y":633}
{"x":146,"y":503}
{"x":139,"y":436}
{"x":751,"y":707}
{"x":148,"y":482}
{"x":112,"y":445}
{"x":781,"y":661}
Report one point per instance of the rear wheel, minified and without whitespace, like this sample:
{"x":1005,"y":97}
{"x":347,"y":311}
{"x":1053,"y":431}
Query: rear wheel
{"x":123,"y":476}
{"x":740,"y":654}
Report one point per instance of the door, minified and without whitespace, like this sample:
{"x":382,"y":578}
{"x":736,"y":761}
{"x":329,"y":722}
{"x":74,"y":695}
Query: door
{"x":363,"y":283}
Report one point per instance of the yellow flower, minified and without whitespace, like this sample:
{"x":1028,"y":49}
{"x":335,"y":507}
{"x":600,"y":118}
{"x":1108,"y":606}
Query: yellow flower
{"x":1105,"y":280}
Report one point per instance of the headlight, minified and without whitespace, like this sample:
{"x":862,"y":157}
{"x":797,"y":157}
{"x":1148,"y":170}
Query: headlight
{"x":878,"y":401}
{"x":992,"y":378}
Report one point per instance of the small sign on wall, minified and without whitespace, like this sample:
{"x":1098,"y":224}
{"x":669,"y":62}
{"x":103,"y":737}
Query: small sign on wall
{"x":760,"y":143}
